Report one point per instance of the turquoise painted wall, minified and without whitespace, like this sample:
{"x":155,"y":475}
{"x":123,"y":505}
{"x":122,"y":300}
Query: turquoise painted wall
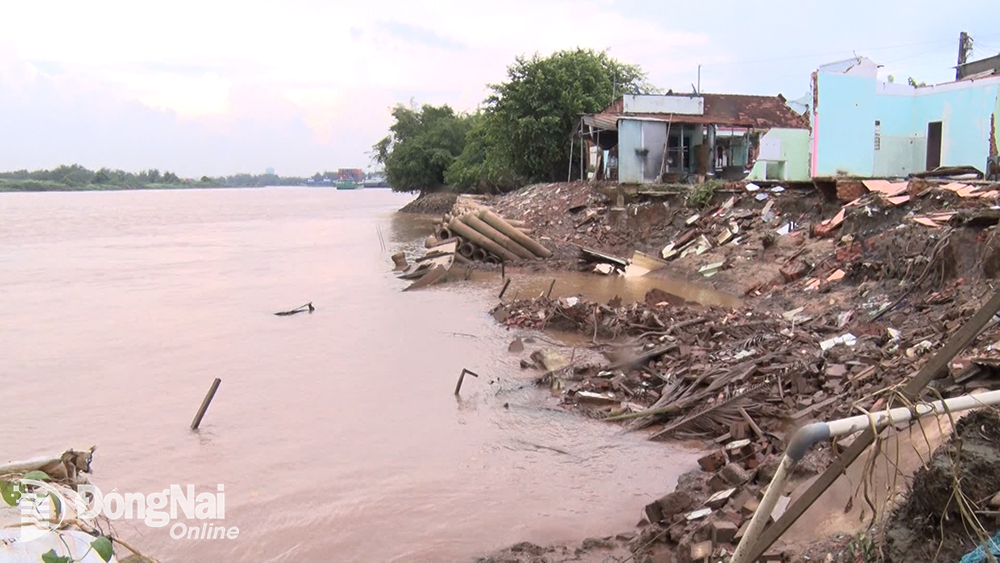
{"x":902,"y":149}
{"x":965,"y":116}
{"x":848,"y":107}
{"x":996,"y":122}
{"x":844,"y":125}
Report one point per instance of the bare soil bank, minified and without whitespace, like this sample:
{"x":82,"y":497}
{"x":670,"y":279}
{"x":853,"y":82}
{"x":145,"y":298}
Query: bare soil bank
{"x":846,"y":293}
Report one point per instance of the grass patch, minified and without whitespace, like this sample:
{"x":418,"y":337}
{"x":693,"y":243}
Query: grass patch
{"x":701,"y":195}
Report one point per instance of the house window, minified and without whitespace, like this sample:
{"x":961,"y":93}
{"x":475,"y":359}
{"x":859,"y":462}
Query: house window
{"x":878,"y":135}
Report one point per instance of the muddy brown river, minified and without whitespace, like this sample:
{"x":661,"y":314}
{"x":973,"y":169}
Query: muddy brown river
{"x":336,"y":435}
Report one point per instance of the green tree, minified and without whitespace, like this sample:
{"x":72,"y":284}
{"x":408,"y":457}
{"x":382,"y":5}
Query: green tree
{"x":102,"y":177}
{"x":170,"y":178}
{"x":529,"y":119}
{"x":474,"y":170}
{"x":421,"y":145}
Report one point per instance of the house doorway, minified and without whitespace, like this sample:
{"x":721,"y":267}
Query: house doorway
{"x":933,"y":145}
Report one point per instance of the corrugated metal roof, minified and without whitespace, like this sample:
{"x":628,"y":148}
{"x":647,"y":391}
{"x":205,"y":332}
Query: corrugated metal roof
{"x":733,"y":110}
{"x":606,"y":122}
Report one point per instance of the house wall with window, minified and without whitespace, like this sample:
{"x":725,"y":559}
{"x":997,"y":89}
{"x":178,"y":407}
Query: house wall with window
{"x":863,"y":127}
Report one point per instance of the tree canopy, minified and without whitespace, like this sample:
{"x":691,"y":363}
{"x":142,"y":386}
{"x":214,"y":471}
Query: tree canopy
{"x":531,"y":116}
{"x":421,"y":145}
{"x":521,"y":135}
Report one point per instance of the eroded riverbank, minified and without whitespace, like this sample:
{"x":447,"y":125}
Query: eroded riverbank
{"x":783,"y":307}
{"x":336,"y":434}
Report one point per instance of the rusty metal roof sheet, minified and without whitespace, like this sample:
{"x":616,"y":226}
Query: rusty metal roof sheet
{"x":733,"y":110}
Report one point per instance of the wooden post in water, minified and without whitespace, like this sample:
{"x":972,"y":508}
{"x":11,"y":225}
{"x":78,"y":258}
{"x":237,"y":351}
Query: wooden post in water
{"x":504,"y":290}
{"x":461,"y":378}
{"x":553,"y":284}
{"x":204,"y":404}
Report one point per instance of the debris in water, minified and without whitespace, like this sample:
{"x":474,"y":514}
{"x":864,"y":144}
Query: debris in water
{"x":302,"y":309}
{"x":461,"y":378}
{"x":399,"y":261}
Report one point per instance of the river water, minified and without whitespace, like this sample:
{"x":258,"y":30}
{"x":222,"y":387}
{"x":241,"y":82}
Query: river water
{"x":336,"y":435}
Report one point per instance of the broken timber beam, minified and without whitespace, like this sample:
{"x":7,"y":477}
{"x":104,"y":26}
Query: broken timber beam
{"x":934,"y":367}
{"x":750,"y":421}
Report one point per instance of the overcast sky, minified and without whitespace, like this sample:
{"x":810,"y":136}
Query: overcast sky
{"x":218,"y":87}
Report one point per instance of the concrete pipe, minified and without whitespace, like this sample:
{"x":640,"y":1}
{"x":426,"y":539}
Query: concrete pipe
{"x":467,"y":249}
{"x":431,"y":241}
{"x":515,"y":222}
{"x":498,"y":223}
{"x":498,"y":237}
{"x":476,"y":237}
{"x":493,"y":259}
{"x":444,"y":233}
{"x":479,"y":255}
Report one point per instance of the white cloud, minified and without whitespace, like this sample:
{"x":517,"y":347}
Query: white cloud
{"x":320,"y":77}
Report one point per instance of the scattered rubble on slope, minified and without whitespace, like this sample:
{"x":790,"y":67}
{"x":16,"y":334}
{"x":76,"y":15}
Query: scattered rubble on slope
{"x":848,"y":291}
{"x":957,"y":492}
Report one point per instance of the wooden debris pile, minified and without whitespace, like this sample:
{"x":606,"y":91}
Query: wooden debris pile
{"x":741,"y":374}
{"x":694,"y":372}
{"x":743,"y":381}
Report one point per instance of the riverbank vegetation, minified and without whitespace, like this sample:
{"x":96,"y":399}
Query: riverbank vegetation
{"x":78,"y":178}
{"x":520,"y":135}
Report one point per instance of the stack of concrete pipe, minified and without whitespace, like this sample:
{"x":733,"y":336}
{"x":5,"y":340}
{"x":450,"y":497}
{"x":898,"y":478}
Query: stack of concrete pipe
{"x":484,"y":236}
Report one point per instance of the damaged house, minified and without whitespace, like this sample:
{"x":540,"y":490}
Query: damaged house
{"x":654,"y":138}
{"x":864,"y":127}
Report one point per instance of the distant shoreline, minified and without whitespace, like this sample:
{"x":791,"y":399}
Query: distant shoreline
{"x":104,"y":188}
{"x":4,"y":189}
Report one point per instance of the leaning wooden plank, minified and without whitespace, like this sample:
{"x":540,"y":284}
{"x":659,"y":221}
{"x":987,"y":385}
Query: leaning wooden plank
{"x":591,"y":255}
{"x":753,"y":425}
{"x":449,"y":247}
{"x":436,"y":274}
{"x":934,"y":367}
